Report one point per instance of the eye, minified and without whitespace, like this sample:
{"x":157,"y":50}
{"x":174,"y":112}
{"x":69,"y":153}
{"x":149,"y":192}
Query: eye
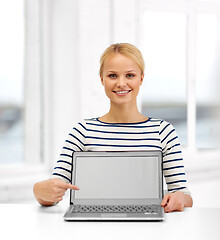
{"x":130,"y":75}
{"x":112,"y":75}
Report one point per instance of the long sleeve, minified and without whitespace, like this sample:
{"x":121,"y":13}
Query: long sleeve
{"x":74,"y":142}
{"x":173,"y":164}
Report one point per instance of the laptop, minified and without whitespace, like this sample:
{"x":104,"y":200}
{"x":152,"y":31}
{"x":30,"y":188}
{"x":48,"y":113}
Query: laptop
{"x":116,"y":186}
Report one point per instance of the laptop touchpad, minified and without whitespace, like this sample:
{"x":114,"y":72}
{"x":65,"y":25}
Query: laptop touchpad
{"x":113,"y":215}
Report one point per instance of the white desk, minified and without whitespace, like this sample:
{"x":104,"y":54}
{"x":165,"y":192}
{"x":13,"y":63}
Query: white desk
{"x":26,"y":221}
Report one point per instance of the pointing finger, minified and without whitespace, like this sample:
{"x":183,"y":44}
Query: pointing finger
{"x":70,"y":186}
{"x":61,"y":184}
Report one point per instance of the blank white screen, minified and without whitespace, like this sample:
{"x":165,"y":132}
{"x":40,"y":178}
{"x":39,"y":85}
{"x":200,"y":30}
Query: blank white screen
{"x":117,"y":177}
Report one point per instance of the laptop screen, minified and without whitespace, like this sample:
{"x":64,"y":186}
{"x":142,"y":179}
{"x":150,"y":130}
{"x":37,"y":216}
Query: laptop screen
{"x":117,"y":177}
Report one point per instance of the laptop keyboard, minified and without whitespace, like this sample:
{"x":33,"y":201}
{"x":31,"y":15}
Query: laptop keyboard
{"x":116,"y":209}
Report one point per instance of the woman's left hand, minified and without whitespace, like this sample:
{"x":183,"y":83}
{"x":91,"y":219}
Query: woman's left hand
{"x":173,"y":202}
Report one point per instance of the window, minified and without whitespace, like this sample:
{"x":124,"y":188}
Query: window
{"x":181,"y":45}
{"x":208,"y":87}
{"x":11,"y":81}
{"x":20,"y":100}
{"x":164,"y":50}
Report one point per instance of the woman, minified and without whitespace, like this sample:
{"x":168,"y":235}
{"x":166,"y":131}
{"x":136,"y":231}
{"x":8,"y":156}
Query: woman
{"x":123,"y":128}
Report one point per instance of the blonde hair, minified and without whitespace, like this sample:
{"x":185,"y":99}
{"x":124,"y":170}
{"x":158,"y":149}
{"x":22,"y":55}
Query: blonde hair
{"x":125,"y":49}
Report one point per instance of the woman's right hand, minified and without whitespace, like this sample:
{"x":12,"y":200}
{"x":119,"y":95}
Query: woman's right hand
{"x":50,"y":191}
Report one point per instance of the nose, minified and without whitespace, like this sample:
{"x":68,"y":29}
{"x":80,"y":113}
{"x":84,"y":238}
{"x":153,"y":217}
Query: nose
{"x":122,"y":82}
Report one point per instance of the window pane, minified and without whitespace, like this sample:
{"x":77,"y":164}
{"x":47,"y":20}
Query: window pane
{"x":11,"y":81}
{"x":164,"y":87}
{"x":208,"y":84}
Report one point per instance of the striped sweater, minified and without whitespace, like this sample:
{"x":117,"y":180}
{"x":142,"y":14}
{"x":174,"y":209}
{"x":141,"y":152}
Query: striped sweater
{"x":152,"y":134}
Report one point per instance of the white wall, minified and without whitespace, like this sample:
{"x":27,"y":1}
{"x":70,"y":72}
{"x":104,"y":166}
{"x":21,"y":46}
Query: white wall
{"x":59,"y":73}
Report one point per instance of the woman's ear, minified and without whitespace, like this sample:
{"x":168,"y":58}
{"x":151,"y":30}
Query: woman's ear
{"x":102,"y":81}
{"x":142,"y":78}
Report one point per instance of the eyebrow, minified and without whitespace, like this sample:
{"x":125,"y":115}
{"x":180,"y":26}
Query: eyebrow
{"x":116,"y":71}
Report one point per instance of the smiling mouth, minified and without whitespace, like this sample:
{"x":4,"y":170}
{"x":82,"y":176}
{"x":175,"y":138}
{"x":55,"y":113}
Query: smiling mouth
{"x":122,"y":92}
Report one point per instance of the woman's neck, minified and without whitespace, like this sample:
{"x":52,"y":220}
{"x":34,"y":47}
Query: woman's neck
{"x":123,"y":114}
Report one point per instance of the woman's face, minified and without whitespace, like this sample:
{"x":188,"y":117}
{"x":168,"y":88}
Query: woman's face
{"x":121,"y":78}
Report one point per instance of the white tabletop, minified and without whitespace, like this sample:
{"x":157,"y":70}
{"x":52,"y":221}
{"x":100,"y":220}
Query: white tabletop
{"x":31,"y":221}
